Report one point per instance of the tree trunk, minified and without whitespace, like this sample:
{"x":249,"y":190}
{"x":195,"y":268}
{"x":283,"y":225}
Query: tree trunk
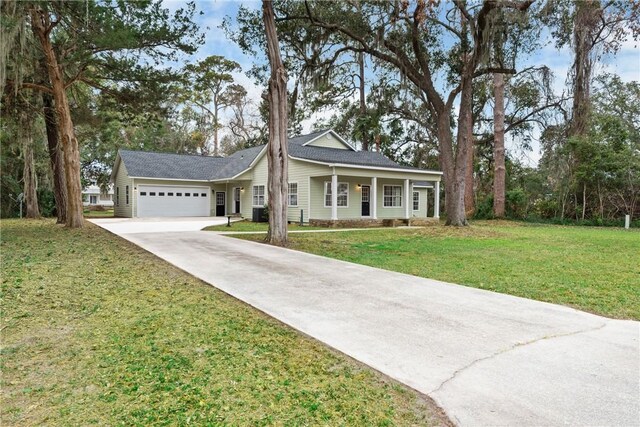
{"x":55,"y":158}
{"x":584,"y":199}
{"x":41,"y":25}
{"x":29,"y":172}
{"x":601,"y":203}
{"x":587,"y":16}
{"x":469,"y":195}
{"x":278,"y":121}
{"x":499,"y":173}
{"x":215,"y":132}
{"x":456,"y":175}
{"x":363,"y":101}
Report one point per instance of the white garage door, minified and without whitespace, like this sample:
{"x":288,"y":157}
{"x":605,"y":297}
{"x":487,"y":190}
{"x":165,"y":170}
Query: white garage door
{"x":173,"y":201}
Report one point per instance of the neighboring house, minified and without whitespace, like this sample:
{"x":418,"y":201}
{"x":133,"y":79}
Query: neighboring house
{"x":93,"y":196}
{"x":328,"y":180}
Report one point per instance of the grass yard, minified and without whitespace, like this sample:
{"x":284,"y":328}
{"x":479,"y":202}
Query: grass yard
{"x":97,"y":331}
{"x":98,"y":214}
{"x":255,"y":226}
{"x":589,"y":268}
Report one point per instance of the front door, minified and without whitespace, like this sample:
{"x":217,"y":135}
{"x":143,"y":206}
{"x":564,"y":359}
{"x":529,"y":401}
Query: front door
{"x":236,"y":199}
{"x":365,"y":200}
{"x":220,"y":204}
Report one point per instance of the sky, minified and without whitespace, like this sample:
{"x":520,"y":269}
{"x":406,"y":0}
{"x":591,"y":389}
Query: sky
{"x":626,"y":63}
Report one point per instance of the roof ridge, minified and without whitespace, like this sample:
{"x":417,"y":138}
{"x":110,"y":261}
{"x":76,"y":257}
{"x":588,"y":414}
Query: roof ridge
{"x":313,"y":132}
{"x":204,"y":156}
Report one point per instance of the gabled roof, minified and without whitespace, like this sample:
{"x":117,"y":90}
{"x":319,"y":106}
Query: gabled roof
{"x":145,"y":164}
{"x":239,"y":162}
{"x":171,"y":166}
{"x":305,"y":140}
{"x":345,"y":157}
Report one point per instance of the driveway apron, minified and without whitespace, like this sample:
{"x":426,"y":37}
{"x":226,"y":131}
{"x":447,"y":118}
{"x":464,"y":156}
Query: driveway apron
{"x":485,"y":358}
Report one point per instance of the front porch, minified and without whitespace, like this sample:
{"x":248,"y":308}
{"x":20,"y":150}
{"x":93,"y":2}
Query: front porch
{"x":371,"y":200}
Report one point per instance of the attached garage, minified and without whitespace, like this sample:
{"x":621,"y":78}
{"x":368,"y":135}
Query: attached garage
{"x":156,"y":200}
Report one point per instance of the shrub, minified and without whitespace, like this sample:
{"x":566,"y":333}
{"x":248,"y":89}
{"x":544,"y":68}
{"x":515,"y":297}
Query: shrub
{"x":484,"y":208}
{"x":516,"y":204}
{"x":47,"y":202}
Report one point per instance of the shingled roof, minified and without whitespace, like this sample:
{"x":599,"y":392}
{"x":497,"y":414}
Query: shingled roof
{"x":238,"y":162}
{"x":346,"y":157}
{"x":206,"y":168}
{"x":171,"y":166}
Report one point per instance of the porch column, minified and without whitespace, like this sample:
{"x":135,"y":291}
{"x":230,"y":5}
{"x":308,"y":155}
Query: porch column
{"x":373,"y":197}
{"x":426,"y":212}
{"x":408,"y":194}
{"x":436,"y":200}
{"x":334,"y":196}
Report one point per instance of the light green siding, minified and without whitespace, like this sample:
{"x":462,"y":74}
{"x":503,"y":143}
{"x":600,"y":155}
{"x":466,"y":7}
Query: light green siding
{"x":424,"y":203}
{"x":121,"y":181}
{"x":245,"y":199}
{"x":354,"y":208}
{"x":329,"y":141}
{"x":351,"y":211}
{"x":391,"y":212}
{"x":311,"y":177}
{"x":258,"y":177}
{"x":300,"y":172}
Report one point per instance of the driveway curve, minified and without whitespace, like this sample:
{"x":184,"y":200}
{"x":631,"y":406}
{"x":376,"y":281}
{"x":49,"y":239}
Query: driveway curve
{"x":485,"y":358}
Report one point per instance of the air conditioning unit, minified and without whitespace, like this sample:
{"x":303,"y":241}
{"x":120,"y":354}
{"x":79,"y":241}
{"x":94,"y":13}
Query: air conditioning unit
{"x":260,"y":215}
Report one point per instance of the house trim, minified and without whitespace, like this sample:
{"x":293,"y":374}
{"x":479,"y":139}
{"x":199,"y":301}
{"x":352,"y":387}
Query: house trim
{"x":380,"y":168}
{"x":324,"y":194}
{"x":169,"y":179}
{"x":253,"y":195}
{"x":297,"y":194}
{"x":402,"y":196}
{"x":338,"y":137}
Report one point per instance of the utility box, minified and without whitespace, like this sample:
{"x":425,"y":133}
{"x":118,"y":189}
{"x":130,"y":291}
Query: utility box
{"x":259,"y":215}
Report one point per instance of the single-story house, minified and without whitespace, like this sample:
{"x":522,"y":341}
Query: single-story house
{"x":92,"y":195}
{"x":328,"y":181}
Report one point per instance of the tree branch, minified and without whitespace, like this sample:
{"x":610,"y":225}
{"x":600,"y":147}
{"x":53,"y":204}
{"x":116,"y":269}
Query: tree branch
{"x":38,"y":87}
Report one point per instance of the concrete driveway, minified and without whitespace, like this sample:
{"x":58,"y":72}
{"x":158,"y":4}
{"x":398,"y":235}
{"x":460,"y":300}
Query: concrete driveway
{"x":122,"y":226}
{"x":485,"y":358}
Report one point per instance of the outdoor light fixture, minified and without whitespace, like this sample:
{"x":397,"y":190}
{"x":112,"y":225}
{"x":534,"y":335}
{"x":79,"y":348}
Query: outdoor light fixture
{"x":358,"y":186}
{"x":242,"y":189}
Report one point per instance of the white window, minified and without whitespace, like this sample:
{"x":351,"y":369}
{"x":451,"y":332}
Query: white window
{"x":293,"y":194}
{"x":343,"y":194}
{"x":258,"y":195}
{"x":392,"y":196}
{"x":416,"y":200}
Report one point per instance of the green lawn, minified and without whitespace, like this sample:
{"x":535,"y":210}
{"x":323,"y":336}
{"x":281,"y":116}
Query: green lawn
{"x":589,"y":268}
{"x":97,"y":331}
{"x":98,"y":214}
{"x":255,"y":226}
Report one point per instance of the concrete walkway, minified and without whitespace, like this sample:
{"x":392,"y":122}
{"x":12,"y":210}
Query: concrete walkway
{"x":485,"y":358}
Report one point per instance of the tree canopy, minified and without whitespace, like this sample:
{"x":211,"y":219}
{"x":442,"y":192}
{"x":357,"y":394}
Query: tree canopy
{"x":440,"y":85}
